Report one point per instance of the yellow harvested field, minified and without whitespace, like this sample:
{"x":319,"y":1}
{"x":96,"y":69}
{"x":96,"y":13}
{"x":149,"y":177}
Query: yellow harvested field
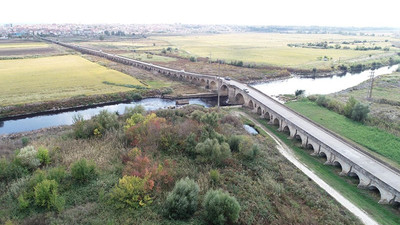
{"x":272,"y":48}
{"x":57,"y":77}
{"x":23,"y":45}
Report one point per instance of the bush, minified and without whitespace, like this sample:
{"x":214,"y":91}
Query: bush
{"x":234,"y":142}
{"x":57,"y":173}
{"x":299,"y":92}
{"x":193,"y":59}
{"x":136,"y":96}
{"x":322,"y":100}
{"x":83,"y":128}
{"x":43,"y":156}
{"x":247,"y":149}
{"x":46,"y":195}
{"x":27,"y":156}
{"x":360,"y":112}
{"x":190,"y":144}
{"x":96,"y":126}
{"x":220,"y":207}
{"x":131,"y":191}
{"x":215,"y":176}
{"x":348,"y":108}
{"x":83,"y":171}
{"x":11,"y":170}
{"x":129,"y":111}
{"x":106,"y":121}
{"x":182,"y":202}
{"x":25,"y":141}
{"x":211,"y":151}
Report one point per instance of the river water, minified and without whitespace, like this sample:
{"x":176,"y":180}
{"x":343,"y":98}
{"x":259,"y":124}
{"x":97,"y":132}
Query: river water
{"x":324,"y":85}
{"x":66,"y":118}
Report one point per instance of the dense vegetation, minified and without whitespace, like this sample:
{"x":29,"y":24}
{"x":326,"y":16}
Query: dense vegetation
{"x":184,"y":166}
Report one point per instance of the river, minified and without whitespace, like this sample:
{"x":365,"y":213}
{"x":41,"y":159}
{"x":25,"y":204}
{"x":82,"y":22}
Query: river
{"x":66,"y":118}
{"x":325,"y":85}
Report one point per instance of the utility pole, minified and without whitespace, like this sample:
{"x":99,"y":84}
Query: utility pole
{"x":371,"y":85}
{"x":218,"y":85}
{"x":210,"y":58}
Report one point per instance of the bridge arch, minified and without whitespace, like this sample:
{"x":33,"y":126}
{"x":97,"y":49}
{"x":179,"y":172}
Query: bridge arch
{"x":250,"y":104}
{"x":239,"y":99}
{"x":267,"y":116}
{"x":202,"y":81}
{"x":213,"y":85}
{"x":259,"y":111}
{"x":224,"y":90}
{"x":286,"y":130}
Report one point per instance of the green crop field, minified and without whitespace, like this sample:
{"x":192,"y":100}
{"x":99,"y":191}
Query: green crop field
{"x":57,"y":77}
{"x":272,"y":49}
{"x":23,"y":45}
{"x":372,"y":138}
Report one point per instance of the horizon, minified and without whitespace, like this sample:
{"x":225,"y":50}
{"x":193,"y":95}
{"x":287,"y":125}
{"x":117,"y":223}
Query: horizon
{"x":252,"y":13}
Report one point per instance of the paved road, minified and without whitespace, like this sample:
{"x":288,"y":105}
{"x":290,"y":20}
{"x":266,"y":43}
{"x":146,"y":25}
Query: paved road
{"x":288,"y":154}
{"x":379,"y":170}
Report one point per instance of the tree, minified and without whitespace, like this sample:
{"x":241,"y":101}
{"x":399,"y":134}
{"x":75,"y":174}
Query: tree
{"x":211,"y":151}
{"x":182,"y":202}
{"x":348,"y":108}
{"x":101,"y":38}
{"x":360,"y":112}
{"x":299,"y":92}
{"x":220,"y":207}
{"x":107,"y":33}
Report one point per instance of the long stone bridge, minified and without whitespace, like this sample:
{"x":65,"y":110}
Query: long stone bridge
{"x":371,"y":172}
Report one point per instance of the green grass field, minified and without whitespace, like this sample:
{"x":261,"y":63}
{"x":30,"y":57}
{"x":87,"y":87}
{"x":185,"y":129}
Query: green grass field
{"x":347,"y":186}
{"x":23,"y":45}
{"x":149,"y":58}
{"x":372,"y":138}
{"x":58,"y":77}
{"x":271,"y":49}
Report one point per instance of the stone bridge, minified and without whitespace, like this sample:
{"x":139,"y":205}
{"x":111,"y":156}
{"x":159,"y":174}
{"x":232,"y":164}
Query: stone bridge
{"x":371,"y":172}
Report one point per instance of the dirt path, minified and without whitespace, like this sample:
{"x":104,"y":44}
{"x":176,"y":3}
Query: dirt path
{"x":288,"y":154}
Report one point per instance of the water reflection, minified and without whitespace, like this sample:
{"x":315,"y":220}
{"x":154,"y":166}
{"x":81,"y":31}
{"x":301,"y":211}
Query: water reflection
{"x":250,"y":129}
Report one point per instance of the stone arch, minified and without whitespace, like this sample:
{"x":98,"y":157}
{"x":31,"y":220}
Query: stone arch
{"x":213,"y":85}
{"x":323,"y":155}
{"x":239,"y":99}
{"x":202,"y":81}
{"x":267,"y":116}
{"x":364,"y":181}
{"x":276,"y":122}
{"x":375,"y":191}
{"x":259,"y":111}
{"x":250,"y":104}
{"x":286,"y":130}
{"x":224,"y":90}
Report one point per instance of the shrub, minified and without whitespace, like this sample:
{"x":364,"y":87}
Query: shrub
{"x":360,"y":112}
{"x":322,"y":100}
{"x":234,"y":142}
{"x":182,"y":202}
{"x":106,"y":121}
{"x":43,"y":156}
{"x":129,"y":111}
{"x":83,"y":171}
{"x":299,"y":92}
{"x":220,"y":207}
{"x":348,"y":108}
{"x":83,"y":128}
{"x":27,"y":156}
{"x":214,"y":176}
{"x":136,"y":96}
{"x":211,"y":151}
{"x":57,"y":173}
{"x":23,"y":203}
{"x":11,"y":170}
{"x":210,"y":119}
{"x":197,"y":115}
{"x":190,"y":144}
{"x":46,"y":195}
{"x":247,"y":149}
{"x":131,"y":191}
{"x":25,"y":141}
{"x":193,"y":59}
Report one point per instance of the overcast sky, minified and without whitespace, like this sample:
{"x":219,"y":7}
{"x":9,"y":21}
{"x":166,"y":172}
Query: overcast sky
{"x":246,"y":12}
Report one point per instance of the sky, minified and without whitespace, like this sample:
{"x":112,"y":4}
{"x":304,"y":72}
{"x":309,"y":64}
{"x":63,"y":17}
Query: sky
{"x":358,"y":13}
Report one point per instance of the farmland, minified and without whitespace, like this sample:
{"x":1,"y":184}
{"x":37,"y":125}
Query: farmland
{"x":273,"y":49}
{"x":57,"y":77}
{"x":11,"y":49}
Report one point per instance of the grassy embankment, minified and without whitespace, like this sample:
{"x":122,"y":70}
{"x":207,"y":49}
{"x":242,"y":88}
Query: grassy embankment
{"x":372,"y":138}
{"x":268,"y":189}
{"x":51,"y":78}
{"x":347,"y":186}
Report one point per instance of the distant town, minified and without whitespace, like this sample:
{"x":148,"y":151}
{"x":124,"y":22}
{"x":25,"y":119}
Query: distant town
{"x":95,"y":30}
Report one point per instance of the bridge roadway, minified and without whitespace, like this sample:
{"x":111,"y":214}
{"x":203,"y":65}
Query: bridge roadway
{"x":371,"y":171}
